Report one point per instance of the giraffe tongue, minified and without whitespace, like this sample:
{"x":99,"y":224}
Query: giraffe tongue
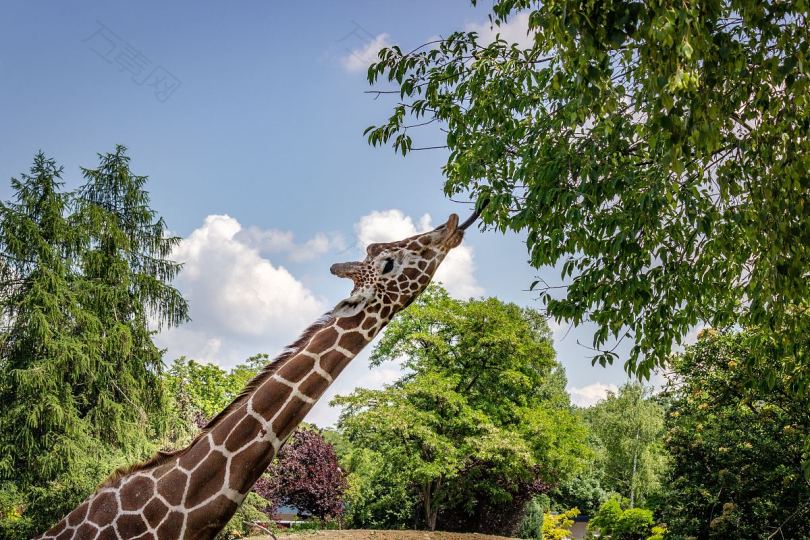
{"x":475,"y":215}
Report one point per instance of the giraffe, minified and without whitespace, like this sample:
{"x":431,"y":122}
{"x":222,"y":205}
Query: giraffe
{"x":191,"y":493}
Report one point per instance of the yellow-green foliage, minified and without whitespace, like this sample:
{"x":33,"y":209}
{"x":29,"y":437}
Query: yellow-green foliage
{"x":558,"y":526}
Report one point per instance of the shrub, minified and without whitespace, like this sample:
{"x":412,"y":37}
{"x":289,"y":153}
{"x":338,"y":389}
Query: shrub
{"x":617,"y":522}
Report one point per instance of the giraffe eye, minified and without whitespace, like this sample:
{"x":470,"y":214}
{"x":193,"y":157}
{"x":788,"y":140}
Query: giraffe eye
{"x":389,"y":265}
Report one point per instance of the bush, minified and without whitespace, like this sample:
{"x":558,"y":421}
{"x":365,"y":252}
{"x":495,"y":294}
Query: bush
{"x":532,"y":524}
{"x":13,"y":521}
{"x":26,"y":509}
{"x":617,"y":522}
{"x":243,"y":523}
{"x":558,"y":526}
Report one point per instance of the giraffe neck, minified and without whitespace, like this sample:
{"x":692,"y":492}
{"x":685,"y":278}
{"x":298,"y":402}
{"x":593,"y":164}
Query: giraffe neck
{"x":193,"y":493}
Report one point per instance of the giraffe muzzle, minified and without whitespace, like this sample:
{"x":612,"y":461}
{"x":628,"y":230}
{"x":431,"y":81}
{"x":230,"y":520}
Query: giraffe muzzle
{"x":347,"y":269}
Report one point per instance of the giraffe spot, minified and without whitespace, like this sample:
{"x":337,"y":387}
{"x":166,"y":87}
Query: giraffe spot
{"x":288,"y":418}
{"x":424,"y":240}
{"x":171,"y":527}
{"x":431,"y":267}
{"x":159,"y":470}
{"x":412,"y":273}
{"x":422,"y":265}
{"x":172,"y":486}
{"x":137,"y":492}
{"x":347,"y":323}
{"x":87,"y":530}
{"x":423,"y":279}
{"x":245,"y":431}
{"x":131,"y":525}
{"x":195,"y":454}
{"x":314,"y":386}
{"x":414,"y":287}
{"x":207,"y":479}
{"x":269,"y":397}
{"x":296,"y":368}
{"x":65,"y":535}
{"x":333,"y":362}
{"x":115,"y":481}
{"x":324,"y":339}
{"x":385,"y":312}
{"x":108,"y":533}
{"x":154,"y":512}
{"x":352,"y":341}
{"x":224,"y":425}
{"x":76,"y":517}
{"x":202,"y":520}
{"x":369,"y":322}
{"x":103,"y":509}
{"x":247,"y":465}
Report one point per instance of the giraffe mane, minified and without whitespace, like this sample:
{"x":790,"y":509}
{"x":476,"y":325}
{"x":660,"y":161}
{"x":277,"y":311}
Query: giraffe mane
{"x":162,"y":456}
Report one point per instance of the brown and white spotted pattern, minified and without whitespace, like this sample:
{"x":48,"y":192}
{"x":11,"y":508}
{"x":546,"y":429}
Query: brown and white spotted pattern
{"x":193,"y":492}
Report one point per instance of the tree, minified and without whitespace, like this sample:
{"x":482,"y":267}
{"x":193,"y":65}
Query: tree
{"x":79,"y":374}
{"x":740,"y":455}
{"x":479,"y":422}
{"x":656,"y":152}
{"x":629,"y":428}
{"x":44,"y":357}
{"x":377,"y":494}
{"x":306,"y":475}
{"x":583,"y":491}
{"x":126,"y":280}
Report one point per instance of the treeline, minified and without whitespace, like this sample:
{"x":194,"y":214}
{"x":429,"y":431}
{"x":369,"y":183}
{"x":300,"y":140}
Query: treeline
{"x":479,"y":435}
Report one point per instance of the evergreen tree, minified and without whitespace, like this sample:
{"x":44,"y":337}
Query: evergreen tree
{"x":126,"y":275}
{"x":83,"y":279}
{"x":44,"y":356}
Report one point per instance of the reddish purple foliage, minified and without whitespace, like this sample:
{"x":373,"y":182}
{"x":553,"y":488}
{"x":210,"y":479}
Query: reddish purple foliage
{"x":305,"y":475}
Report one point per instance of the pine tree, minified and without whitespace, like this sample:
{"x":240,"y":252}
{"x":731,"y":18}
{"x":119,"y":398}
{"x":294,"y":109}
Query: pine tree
{"x":84,"y":283}
{"x":126,"y":285}
{"x":44,"y":357}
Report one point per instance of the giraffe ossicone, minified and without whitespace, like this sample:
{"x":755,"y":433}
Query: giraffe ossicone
{"x":191,"y":493}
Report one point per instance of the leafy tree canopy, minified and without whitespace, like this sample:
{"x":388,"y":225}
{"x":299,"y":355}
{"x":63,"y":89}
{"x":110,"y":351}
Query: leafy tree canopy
{"x":655,"y":152}
{"x":306,"y":474}
{"x":628,"y":427}
{"x":480,"y":421}
{"x":740,"y":456}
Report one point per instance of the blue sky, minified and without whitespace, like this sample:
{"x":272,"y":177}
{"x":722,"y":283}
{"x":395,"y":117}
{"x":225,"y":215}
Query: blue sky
{"x":248,"y":121}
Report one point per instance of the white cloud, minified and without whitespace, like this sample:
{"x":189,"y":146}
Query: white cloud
{"x":277,"y":241}
{"x":183,"y":341}
{"x":456,"y":272}
{"x":360,"y":58}
{"x":590,"y":394}
{"x":514,"y":31}
{"x":237,"y":298}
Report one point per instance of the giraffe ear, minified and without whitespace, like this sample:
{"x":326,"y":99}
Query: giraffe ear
{"x":351,"y":306}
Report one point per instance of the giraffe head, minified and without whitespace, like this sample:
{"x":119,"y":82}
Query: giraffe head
{"x":393,"y":274}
